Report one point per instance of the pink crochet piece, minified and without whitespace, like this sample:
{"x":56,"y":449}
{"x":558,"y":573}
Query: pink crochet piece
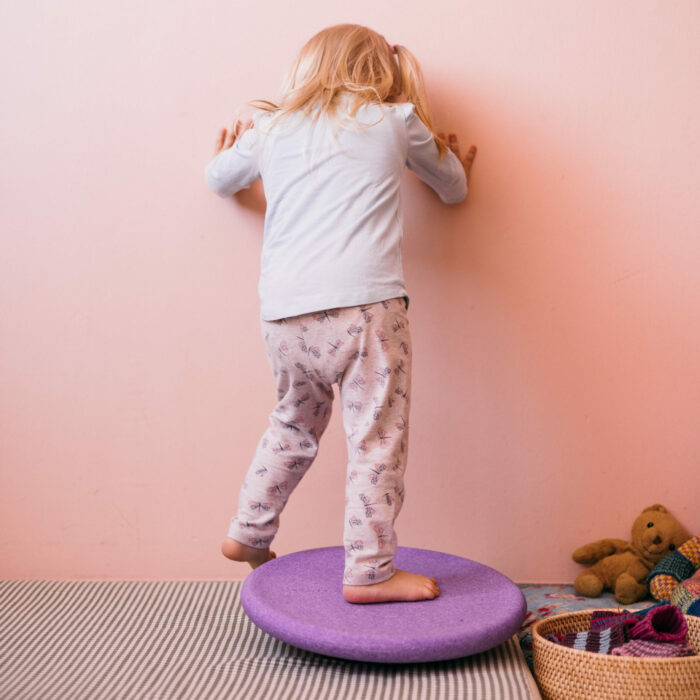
{"x":664,"y":624}
{"x":644,"y":647}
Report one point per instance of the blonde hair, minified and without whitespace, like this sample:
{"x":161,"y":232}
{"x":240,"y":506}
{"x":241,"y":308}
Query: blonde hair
{"x":351,"y":58}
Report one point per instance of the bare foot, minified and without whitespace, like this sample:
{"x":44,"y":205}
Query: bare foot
{"x":232,"y":549}
{"x":403,"y":585}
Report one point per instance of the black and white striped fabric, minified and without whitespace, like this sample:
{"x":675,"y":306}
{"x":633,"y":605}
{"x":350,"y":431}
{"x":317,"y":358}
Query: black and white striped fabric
{"x":192,"y":639}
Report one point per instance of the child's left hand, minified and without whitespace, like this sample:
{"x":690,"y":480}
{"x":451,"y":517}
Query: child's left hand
{"x":226,"y":140}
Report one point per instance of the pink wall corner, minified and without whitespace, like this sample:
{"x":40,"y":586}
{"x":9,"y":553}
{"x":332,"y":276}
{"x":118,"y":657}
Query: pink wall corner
{"x":554,"y":313}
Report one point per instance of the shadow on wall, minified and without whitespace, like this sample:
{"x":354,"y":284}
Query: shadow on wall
{"x":570,"y":331}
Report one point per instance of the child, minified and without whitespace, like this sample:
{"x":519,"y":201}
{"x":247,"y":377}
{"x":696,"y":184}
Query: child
{"x":333,"y":301}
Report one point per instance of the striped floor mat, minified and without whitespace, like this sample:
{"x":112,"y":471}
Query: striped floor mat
{"x":191,"y":639}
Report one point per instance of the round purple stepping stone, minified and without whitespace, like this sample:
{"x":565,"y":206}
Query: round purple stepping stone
{"x":298,"y":598}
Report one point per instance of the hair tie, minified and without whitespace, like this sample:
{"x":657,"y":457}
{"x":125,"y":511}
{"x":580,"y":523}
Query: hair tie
{"x":393,"y":48}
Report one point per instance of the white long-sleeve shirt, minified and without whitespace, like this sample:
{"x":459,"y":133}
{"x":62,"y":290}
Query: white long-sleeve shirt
{"x":334,"y":225}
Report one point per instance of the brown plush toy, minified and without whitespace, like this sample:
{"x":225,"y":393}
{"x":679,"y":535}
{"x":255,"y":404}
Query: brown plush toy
{"x":623,"y":566}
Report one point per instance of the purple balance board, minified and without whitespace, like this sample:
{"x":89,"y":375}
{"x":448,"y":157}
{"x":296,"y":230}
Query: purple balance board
{"x":298,"y":598}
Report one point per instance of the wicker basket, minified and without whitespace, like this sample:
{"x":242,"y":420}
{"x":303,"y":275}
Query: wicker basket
{"x":563,"y":673}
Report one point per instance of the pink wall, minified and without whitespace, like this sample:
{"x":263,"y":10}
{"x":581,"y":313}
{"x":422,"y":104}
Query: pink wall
{"x":554,"y":313}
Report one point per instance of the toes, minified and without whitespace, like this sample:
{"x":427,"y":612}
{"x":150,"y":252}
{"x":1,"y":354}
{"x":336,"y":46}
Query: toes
{"x":432,"y":590}
{"x":431,"y":586}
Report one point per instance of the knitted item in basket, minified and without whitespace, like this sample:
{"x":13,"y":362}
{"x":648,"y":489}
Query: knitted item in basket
{"x":663,"y":624}
{"x":604,"y":619}
{"x":686,"y":595}
{"x":601,"y":642}
{"x":646,"y":647}
{"x":673,"y":568}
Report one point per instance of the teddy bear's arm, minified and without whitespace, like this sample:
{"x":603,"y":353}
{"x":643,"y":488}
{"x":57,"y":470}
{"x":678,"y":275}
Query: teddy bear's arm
{"x":595,"y":551}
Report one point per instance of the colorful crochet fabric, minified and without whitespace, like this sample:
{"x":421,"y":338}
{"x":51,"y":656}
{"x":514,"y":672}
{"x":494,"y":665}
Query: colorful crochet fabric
{"x":686,"y":595}
{"x":645,"y":647}
{"x":674,"y":568}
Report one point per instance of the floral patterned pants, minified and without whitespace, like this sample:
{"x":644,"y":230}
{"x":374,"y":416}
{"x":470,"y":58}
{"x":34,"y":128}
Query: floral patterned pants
{"x":366,"y":351}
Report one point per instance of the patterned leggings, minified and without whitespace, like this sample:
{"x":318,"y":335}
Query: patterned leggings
{"x":366,"y":350}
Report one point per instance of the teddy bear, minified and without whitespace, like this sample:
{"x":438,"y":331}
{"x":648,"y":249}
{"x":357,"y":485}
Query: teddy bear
{"x":624,"y":566}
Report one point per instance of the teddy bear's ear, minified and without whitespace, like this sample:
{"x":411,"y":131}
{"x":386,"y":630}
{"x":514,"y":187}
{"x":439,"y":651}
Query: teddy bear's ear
{"x":656,"y":506}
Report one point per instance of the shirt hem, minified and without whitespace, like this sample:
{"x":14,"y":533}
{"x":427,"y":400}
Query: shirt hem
{"x":305,"y":305}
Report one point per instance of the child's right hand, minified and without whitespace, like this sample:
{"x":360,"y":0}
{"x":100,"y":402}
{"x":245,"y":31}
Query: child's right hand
{"x":454,"y":147}
{"x":225,"y":140}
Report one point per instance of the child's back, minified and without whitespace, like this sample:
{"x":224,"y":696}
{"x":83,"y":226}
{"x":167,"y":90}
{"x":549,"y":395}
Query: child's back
{"x":334,"y":224}
{"x":333,"y":300}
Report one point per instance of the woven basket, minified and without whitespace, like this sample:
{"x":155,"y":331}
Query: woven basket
{"x":563,"y":673}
